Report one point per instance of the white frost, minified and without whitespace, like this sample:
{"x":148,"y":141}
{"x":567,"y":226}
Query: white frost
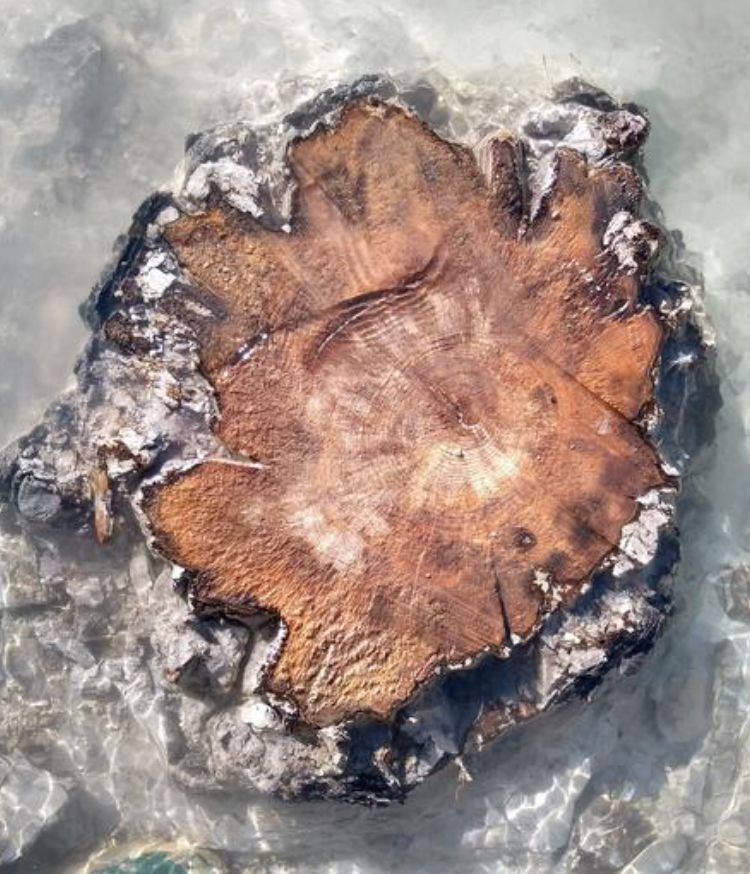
{"x":238,"y":184}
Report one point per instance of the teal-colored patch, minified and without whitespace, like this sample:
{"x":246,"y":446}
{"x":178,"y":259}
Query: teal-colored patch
{"x":155,"y":863}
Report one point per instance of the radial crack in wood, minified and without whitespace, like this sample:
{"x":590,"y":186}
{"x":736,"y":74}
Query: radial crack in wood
{"x":437,"y":369}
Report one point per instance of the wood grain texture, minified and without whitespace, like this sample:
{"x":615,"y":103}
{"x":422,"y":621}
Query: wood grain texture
{"x":428,"y":388}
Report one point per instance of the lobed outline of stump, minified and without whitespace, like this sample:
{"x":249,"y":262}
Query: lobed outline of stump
{"x":174,"y":326}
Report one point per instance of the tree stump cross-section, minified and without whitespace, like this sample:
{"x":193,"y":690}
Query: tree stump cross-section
{"x":427,"y":389}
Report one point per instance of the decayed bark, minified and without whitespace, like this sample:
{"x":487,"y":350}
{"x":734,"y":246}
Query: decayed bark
{"x":427,"y":385}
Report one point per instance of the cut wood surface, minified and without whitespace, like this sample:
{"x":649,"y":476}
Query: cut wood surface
{"x":427,"y":388}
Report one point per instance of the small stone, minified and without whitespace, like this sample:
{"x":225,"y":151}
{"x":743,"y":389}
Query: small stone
{"x":38,"y":500}
{"x":201,"y":655}
{"x":734,"y":593}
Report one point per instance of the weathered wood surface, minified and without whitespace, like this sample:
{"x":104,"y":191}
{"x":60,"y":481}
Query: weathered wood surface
{"x":413,"y":425}
{"x":428,"y":388}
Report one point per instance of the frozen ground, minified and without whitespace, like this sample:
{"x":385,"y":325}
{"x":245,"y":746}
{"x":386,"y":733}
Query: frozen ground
{"x":95,"y":101}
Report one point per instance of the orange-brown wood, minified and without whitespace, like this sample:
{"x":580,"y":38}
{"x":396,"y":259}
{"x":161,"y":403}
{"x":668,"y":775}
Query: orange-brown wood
{"x":427,"y":390}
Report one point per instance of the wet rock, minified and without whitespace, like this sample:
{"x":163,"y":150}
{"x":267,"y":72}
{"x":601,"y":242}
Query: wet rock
{"x":22,"y":587}
{"x":203,"y":655}
{"x":32,"y":804}
{"x":664,"y":856}
{"x":682,"y":698}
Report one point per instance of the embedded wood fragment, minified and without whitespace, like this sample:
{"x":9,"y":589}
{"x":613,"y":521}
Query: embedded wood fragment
{"x":428,"y":390}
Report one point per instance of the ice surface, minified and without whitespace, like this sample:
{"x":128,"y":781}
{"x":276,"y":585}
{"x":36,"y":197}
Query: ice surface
{"x":96,"y":98}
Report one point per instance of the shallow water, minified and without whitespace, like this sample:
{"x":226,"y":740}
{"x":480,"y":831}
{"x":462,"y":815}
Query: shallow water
{"x":96,"y":99}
